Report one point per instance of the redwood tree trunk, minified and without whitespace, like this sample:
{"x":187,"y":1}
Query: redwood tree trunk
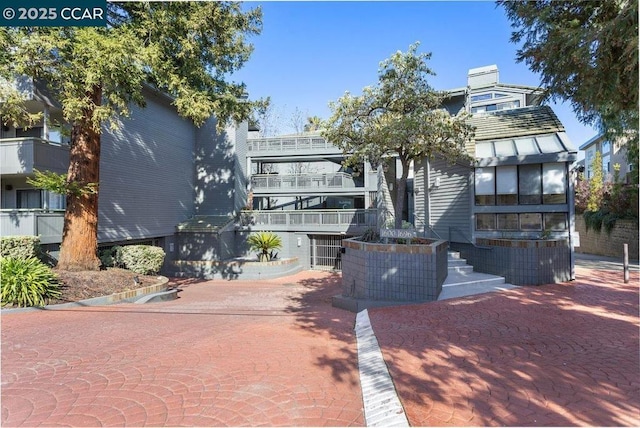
{"x":79,"y":247}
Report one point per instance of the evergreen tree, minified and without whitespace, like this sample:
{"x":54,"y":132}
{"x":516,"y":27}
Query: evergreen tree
{"x":402,"y":116}
{"x":186,"y":49}
{"x":586,"y":53}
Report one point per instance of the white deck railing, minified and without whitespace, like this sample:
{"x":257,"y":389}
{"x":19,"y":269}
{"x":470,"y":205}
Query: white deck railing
{"x":289,"y":144}
{"x":310,"y":219}
{"x":339,"y":180}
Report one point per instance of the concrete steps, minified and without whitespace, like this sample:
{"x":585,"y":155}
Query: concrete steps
{"x":463,"y":281}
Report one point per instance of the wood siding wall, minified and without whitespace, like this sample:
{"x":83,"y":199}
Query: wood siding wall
{"x":146,"y":174}
{"x":450,"y":201}
{"x":220,"y":164}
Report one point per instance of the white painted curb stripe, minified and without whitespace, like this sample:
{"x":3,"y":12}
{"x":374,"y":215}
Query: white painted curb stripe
{"x":382,"y":406}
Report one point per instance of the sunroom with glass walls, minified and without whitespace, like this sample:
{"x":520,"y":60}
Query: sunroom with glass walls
{"x":529,"y":198}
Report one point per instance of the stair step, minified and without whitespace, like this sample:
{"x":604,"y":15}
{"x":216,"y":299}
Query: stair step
{"x":453,"y":254}
{"x":457,"y":262}
{"x":460,"y":268}
{"x":455,"y":278}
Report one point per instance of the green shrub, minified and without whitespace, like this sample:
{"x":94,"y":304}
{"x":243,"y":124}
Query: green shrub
{"x":142,"y":259}
{"x":264,"y":242}
{"x":111,"y":257}
{"x":27,"y":282}
{"x":20,"y":247}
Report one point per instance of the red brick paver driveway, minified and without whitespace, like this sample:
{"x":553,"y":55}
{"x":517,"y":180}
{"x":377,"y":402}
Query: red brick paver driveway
{"x":558,"y":355}
{"x":225,"y":353}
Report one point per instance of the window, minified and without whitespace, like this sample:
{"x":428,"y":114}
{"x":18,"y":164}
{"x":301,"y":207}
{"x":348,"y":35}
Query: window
{"x":29,"y":199}
{"x":484,"y":150}
{"x":507,"y":221}
{"x":531,"y":221}
{"x":524,"y":222}
{"x":526,"y":146}
{"x":505,"y":148}
{"x":35,"y":132}
{"x":485,"y":221}
{"x":55,"y":201}
{"x":554,"y":185}
{"x":606,"y":164}
{"x":549,"y":144}
{"x":508,"y":105}
{"x":485,"y":186}
{"x":481,"y":97}
{"x":555,"y":222}
{"x":507,"y":185}
{"x":529,"y":184}
{"x":606,"y":147}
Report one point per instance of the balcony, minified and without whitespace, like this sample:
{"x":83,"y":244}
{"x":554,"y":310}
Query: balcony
{"x":333,"y":221}
{"x":20,"y":156}
{"x":277,"y":183}
{"x":47,"y":224}
{"x":311,"y":145}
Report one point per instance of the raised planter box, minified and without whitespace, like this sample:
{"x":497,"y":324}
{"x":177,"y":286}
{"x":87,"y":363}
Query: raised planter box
{"x":521,"y":261}
{"x":239,"y":268}
{"x":376,"y":274}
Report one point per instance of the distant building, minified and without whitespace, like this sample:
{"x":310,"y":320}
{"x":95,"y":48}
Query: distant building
{"x":612,"y":154}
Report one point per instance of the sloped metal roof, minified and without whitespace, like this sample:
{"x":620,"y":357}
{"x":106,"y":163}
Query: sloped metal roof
{"x":515,"y":123}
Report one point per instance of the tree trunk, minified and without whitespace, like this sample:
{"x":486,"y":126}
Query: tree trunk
{"x":78,"y":250}
{"x":401,"y":190}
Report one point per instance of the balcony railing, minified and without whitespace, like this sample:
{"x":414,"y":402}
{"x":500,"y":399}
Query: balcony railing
{"x":279,"y":182}
{"x":46,"y":223}
{"x":23,"y":155}
{"x":289,"y":145}
{"x":313,"y":220}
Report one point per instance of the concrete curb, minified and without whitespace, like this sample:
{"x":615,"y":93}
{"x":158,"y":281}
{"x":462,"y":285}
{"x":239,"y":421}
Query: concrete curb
{"x":125,"y":296}
{"x":382,"y":406}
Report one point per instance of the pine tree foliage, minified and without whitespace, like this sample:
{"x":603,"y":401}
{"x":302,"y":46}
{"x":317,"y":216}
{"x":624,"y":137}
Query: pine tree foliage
{"x":586,"y":52}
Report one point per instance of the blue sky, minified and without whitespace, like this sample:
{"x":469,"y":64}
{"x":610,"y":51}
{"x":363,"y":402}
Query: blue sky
{"x":310,"y":53}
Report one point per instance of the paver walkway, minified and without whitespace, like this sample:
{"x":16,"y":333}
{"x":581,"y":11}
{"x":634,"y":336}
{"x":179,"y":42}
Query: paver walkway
{"x":555,"y":355}
{"x":276,"y":353}
{"x":225,"y":353}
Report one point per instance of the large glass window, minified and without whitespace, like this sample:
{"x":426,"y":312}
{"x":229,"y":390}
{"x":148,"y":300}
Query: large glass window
{"x":555,"y":222}
{"x":507,"y":185}
{"x":485,"y":186}
{"x":29,"y":198}
{"x":529,"y":183}
{"x":554,"y":183}
{"x":507,"y":221}
{"x":485,"y":222}
{"x":531,"y":222}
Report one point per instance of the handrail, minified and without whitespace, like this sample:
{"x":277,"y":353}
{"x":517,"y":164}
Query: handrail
{"x":436,"y":233}
{"x":455,"y":228}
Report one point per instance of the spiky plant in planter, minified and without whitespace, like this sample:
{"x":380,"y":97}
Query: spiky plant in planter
{"x":265,"y":243}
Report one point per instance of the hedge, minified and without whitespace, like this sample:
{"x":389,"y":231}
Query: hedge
{"x":20,"y":247}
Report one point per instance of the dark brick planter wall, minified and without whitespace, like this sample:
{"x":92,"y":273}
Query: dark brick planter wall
{"x":520,"y":262}
{"x":393,"y":272}
{"x":610,"y":245}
